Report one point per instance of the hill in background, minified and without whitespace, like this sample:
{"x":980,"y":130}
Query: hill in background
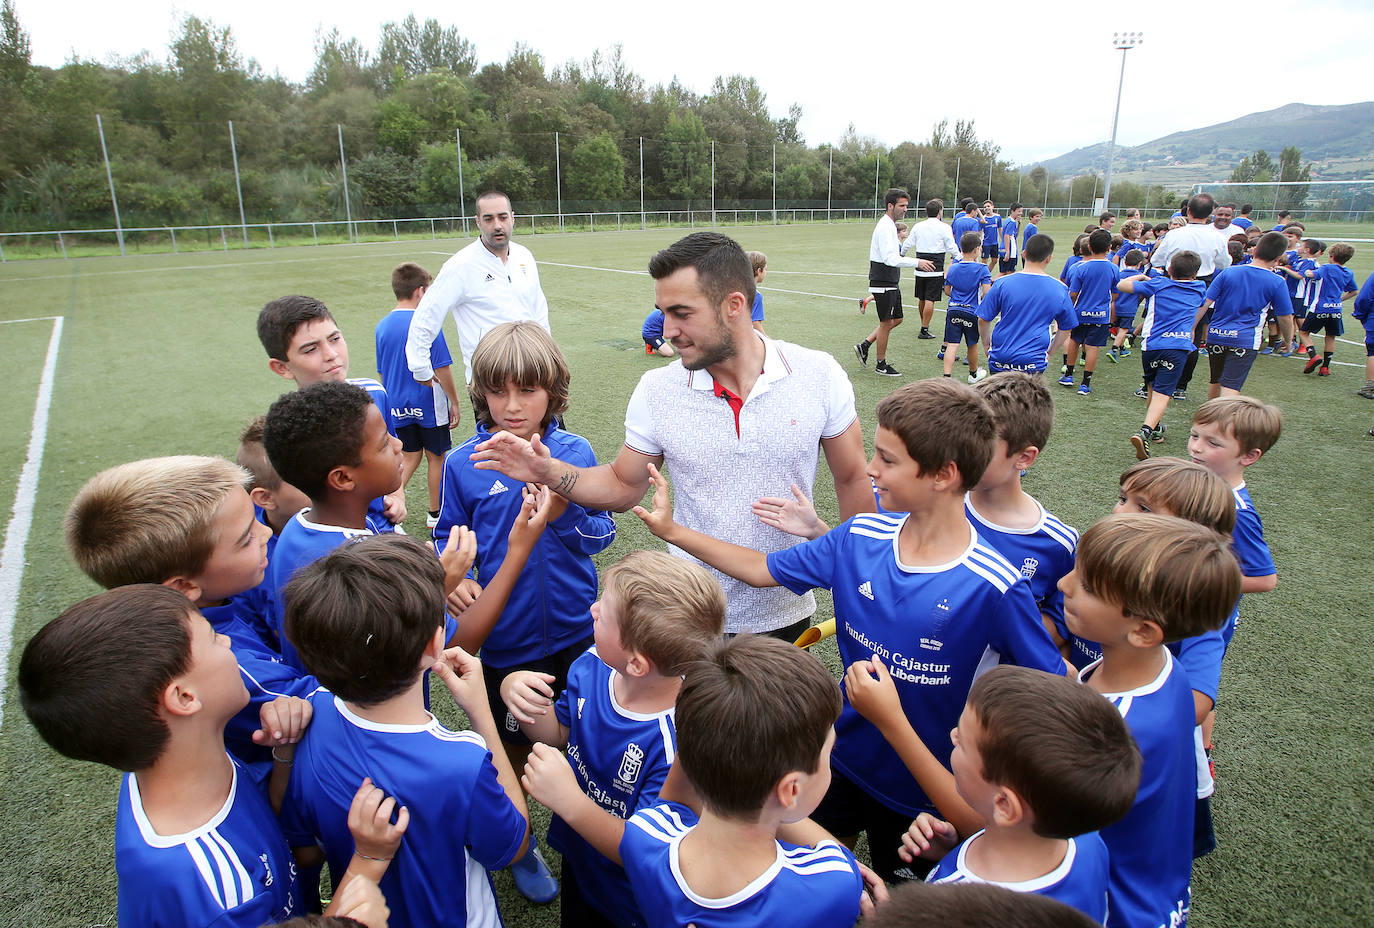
{"x":1337,"y":140}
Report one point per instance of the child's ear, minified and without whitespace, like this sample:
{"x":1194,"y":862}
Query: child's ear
{"x":787,"y":791}
{"x":1008,"y":808}
{"x":1250,"y":457}
{"x":340,"y":479}
{"x":178,"y":701}
{"x":186,"y":586}
{"x":1146,"y":633}
{"x":1027,"y":457}
{"x":263,"y":498}
{"x":947,"y":476}
{"x":637,"y":665}
{"x":279,"y":368}
{"x":434,"y":650}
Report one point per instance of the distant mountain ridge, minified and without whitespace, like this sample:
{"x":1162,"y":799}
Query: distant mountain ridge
{"x":1337,"y":140}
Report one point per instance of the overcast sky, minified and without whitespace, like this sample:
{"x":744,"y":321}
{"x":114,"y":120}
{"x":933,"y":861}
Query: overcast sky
{"x":1038,"y":87}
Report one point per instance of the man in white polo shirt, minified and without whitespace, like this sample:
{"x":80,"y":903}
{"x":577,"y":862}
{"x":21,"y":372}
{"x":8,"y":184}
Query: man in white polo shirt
{"x":491,"y":281}
{"x":737,"y":417}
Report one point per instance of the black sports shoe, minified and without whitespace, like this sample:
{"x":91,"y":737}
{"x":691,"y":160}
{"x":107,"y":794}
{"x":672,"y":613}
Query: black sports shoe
{"x":1138,"y":442}
{"x":1158,"y":435}
{"x":861,"y":352}
{"x":940,"y":355}
{"x":925,"y":333}
{"x":887,"y":370}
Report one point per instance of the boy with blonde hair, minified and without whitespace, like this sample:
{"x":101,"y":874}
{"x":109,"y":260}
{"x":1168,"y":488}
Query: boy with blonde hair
{"x":1335,"y":285}
{"x":759,"y":262}
{"x":657,"y":614}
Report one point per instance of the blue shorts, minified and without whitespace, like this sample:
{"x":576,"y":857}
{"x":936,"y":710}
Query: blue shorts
{"x":1163,"y":368}
{"x":1299,"y":308}
{"x":655,"y":343}
{"x":556,"y":665}
{"x":961,"y":325}
{"x":1092,"y":334}
{"x":1325,"y":323}
{"x":1230,"y":364}
{"x":1369,"y":347}
{"x":989,"y":250}
{"x":1006,"y":265}
{"x":436,"y":440}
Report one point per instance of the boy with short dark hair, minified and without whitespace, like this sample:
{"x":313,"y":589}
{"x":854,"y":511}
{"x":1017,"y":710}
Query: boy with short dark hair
{"x":1238,"y":300}
{"x":1027,"y":304}
{"x":186,"y":523}
{"x":756,"y":724}
{"x":933,"y":443}
{"x":1136,"y":261}
{"x":1032,"y":228}
{"x":967,"y":221}
{"x":367,"y":619}
{"x":1010,"y":249}
{"x":966,"y":283}
{"x":196,"y":843}
{"x":304,"y":344}
{"x":1047,"y":764}
{"x":1335,"y":285}
{"x":1294,"y":265}
{"x":1166,"y":337}
{"x":1142,"y":581}
{"x":1092,"y":287}
{"x":657,"y":615}
{"x":992,"y":228}
{"x":422,"y":414}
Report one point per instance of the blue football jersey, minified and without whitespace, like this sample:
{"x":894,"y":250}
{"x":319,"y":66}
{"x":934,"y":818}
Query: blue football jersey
{"x":964,"y":278}
{"x":653,"y":325}
{"x":410,"y":402}
{"x":992,"y":226}
{"x":962,"y":225}
{"x":804,"y":887}
{"x":1031,"y":229}
{"x":1333,"y":282}
{"x":621,"y":759}
{"x":1026,"y":305}
{"x":1079,"y":881}
{"x":234,"y":871}
{"x":1069,"y":264}
{"x":756,"y":311}
{"x":462,"y":823}
{"x":1170,"y":313}
{"x":1010,"y":245}
{"x":1094,"y":281}
{"x":1243,"y":296}
{"x":1151,"y":849}
{"x":379,"y":399}
{"x":935,"y":627}
{"x":1044,"y":553}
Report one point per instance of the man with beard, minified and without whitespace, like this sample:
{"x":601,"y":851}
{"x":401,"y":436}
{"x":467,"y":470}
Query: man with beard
{"x":737,"y":417}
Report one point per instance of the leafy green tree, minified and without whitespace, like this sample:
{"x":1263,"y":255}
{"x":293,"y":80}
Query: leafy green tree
{"x":596,"y":170}
{"x":439,"y":173}
{"x":507,"y":173}
{"x":339,"y":64}
{"x":387,"y":180}
{"x":686,"y":157}
{"x":1292,"y":170}
{"x":15,"y":48}
{"x":399,"y":127}
{"x":409,"y":49}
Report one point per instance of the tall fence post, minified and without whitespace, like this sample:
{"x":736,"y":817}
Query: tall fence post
{"x":991,"y":163}
{"x":643,"y":217}
{"x":1019,"y":177}
{"x":877,"y":168}
{"x":920,"y":169}
{"x":713,"y":182}
{"x":114,"y":201}
{"x":958,"y":160}
{"x":829,"y":185}
{"x":462,"y":210}
{"x":558,"y":179}
{"x":343,"y":165}
{"x":233,"y":150}
{"x":775,"y":183}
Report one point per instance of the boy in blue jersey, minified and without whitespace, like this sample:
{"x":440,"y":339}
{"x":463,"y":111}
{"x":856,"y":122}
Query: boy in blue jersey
{"x":1294,"y":265}
{"x":304,"y":344}
{"x":422,"y":414}
{"x":197,"y":843}
{"x":186,"y":522}
{"x":1092,"y":287}
{"x":756,"y":725}
{"x":1130,"y":241}
{"x":1167,"y":337}
{"x":1009,"y":248}
{"x":657,"y":615}
{"x":1364,"y":307}
{"x":966,"y":283}
{"x":1032,"y":228}
{"x":1335,"y":284}
{"x":367,"y":619}
{"x":916,"y":590}
{"x":1238,"y":300}
{"x":967,"y":221}
{"x":1046,"y":763}
{"x":1123,"y":326}
{"x":1080,"y":242}
{"x":759,"y":262}
{"x":1027,"y":305}
{"x":652,"y":333}
{"x":1142,"y":581}
{"x":992,"y":233}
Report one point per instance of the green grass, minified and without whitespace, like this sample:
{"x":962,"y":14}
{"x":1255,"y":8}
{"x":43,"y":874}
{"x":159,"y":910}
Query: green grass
{"x":159,"y":356}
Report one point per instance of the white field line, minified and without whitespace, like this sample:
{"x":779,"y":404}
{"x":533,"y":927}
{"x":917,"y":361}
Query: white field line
{"x":25,"y":495}
{"x":30,"y":319}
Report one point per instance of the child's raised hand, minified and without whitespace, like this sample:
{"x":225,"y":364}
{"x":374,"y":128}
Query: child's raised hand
{"x":796,"y":516}
{"x":873,"y":694}
{"x":557,"y":504}
{"x":513,"y":456}
{"x":928,"y":838}
{"x":550,"y":779}
{"x":462,"y":674}
{"x":463,"y":596}
{"x":283,"y":720}
{"x":527,"y":693}
{"x":535,"y":505}
{"x":361,"y":900}
{"x":369,"y":821}
{"x":660,"y":519}
{"x":458,"y":556}
{"x":874,"y":892}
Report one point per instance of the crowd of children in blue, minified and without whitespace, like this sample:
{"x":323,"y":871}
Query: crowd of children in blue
{"x":268,"y":637}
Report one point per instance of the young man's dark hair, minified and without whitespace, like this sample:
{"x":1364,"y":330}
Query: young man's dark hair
{"x":933,"y":207}
{"x":1060,"y":746}
{"x":1100,"y":241}
{"x":1039,"y":248}
{"x":279,"y":320}
{"x":361,"y":616}
{"x":312,"y":431}
{"x":1184,"y":265}
{"x":940,"y":421}
{"x":1109,"y":215}
{"x":1246,"y":209}
{"x":1014,"y":207}
{"x":721,"y":264}
{"x":970,"y":241}
{"x":488,"y":194}
{"x":91,"y":680}
{"x":1270,"y":247}
{"x":406,"y":278}
{"x":1200,"y":205}
{"x":1022,"y":408}
{"x":893,"y":195}
{"x":754,"y":710}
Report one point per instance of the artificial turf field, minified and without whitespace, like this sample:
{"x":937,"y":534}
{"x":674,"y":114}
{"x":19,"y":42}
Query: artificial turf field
{"x":158,"y":356}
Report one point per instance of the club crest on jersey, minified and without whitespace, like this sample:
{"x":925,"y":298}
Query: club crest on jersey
{"x":1028,"y":567}
{"x":932,"y":644}
{"x":940,"y":614}
{"x":630,"y":766}
{"x":866,"y":589}
{"x":498,"y":487}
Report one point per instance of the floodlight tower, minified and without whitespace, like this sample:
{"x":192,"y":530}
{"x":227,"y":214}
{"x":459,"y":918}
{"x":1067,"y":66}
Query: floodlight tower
{"x":1123,"y":42}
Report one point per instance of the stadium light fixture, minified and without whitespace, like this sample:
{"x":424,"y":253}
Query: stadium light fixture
{"x":1122,"y":42}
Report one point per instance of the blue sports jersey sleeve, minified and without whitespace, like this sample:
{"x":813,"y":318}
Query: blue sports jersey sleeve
{"x":809,"y":565}
{"x":1200,"y":657}
{"x":453,"y":509}
{"x":1364,"y":302}
{"x":1019,"y":635}
{"x":756,"y":312}
{"x":1247,"y":540}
